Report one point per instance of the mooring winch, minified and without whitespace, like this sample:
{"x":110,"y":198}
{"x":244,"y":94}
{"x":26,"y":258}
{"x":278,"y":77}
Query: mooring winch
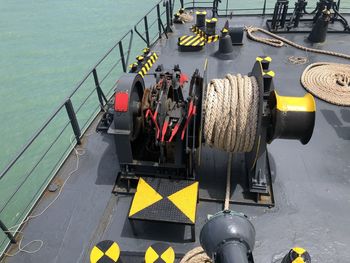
{"x":159,"y":129}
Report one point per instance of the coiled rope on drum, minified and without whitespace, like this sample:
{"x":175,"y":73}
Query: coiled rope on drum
{"x":231,"y":120}
{"x":231,"y":113}
{"x":278,"y":41}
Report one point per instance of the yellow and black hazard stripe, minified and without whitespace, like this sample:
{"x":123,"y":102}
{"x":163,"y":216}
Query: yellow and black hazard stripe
{"x":106,"y":251}
{"x":297,"y":255}
{"x":213,"y":38}
{"x":191,"y":41}
{"x":201,"y":12}
{"x":269,"y":73}
{"x":160,"y":253}
{"x":264,"y":58}
{"x":199,"y":32}
{"x":203,"y":35}
{"x":147,"y":65}
{"x":264,"y":61}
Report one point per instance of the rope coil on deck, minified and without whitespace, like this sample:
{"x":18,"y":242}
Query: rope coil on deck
{"x":231,"y":113}
{"x":328,"y":81}
{"x":278,"y":41}
{"x":196,"y":255}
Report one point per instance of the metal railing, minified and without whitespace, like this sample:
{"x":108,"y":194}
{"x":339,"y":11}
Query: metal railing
{"x":154,"y":28}
{"x":104,"y":73}
{"x":222,"y":8}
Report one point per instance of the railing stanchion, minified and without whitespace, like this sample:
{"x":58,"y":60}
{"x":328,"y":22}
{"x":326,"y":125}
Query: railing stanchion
{"x":73,"y":120}
{"x":121,"y":56}
{"x":101,"y":97}
{"x":171,"y":12}
{"x":168,"y":18}
{"x":7,"y":232}
{"x":146,"y":30}
{"x":264,"y":8}
{"x":159,"y":22}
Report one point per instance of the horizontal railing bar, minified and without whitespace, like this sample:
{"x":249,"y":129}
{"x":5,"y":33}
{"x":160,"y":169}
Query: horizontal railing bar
{"x":17,"y":222}
{"x":84,"y":101}
{"x":109,"y":72}
{"x":20,"y":153}
{"x":39,"y":131}
{"x":154,"y":7}
{"x":35,"y":166}
{"x":90,"y":117}
{"x":98,"y":63}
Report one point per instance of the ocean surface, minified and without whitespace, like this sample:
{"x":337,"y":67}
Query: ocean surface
{"x":46,"y":47}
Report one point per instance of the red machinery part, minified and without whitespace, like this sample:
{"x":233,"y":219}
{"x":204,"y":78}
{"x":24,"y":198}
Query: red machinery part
{"x":121,"y":101}
{"x":154,"y":119}
{"x":183,"y":79}
{"x":191,"y":112}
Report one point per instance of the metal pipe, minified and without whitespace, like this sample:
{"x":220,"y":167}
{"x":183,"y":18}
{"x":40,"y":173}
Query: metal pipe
{"x":146,"y":31}
{"x":101,"y":97}
{"x":121,"y":51}
{"x":73,"y":120}
{"x":7,"y":232}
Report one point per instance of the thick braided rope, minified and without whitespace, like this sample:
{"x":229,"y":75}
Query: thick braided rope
{"x":328,"y":81}
{"x":231,"y":113}
{"x":278,"y":41}
{"x":196,"y":255}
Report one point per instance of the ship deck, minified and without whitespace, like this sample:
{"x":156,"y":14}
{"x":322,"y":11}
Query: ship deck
{"x":311,"y":183}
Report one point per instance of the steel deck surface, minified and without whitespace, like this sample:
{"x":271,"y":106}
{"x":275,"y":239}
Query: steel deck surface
{"x":311,"y":183}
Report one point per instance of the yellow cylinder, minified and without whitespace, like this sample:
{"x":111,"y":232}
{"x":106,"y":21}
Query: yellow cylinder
{"x":292,"y":117}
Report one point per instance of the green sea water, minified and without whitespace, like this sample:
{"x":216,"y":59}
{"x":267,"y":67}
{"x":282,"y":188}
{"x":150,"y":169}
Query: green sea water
{"x":46,"y":47}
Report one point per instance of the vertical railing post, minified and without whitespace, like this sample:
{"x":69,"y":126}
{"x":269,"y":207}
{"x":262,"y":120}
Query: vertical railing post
{"x":101,"y":97}
{"x":7,"y":232}
{"x":73,"y":120}
{"x":171,"y":12}
{"x":159,"y":22}
{"x":168,"y":18}
{"x":264,"y":8}
{"x":121,"y":57}
{"x":182,"y":3}
{"x":146,"y":30}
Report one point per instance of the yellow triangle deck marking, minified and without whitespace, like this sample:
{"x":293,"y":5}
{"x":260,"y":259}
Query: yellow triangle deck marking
{"x":168,"y":255}
{"x":186,"y":200}
{"x":151,"y":256}
{"x":113,"y":252}
{"x":144,"y":197}
{"x":95,"y":255}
